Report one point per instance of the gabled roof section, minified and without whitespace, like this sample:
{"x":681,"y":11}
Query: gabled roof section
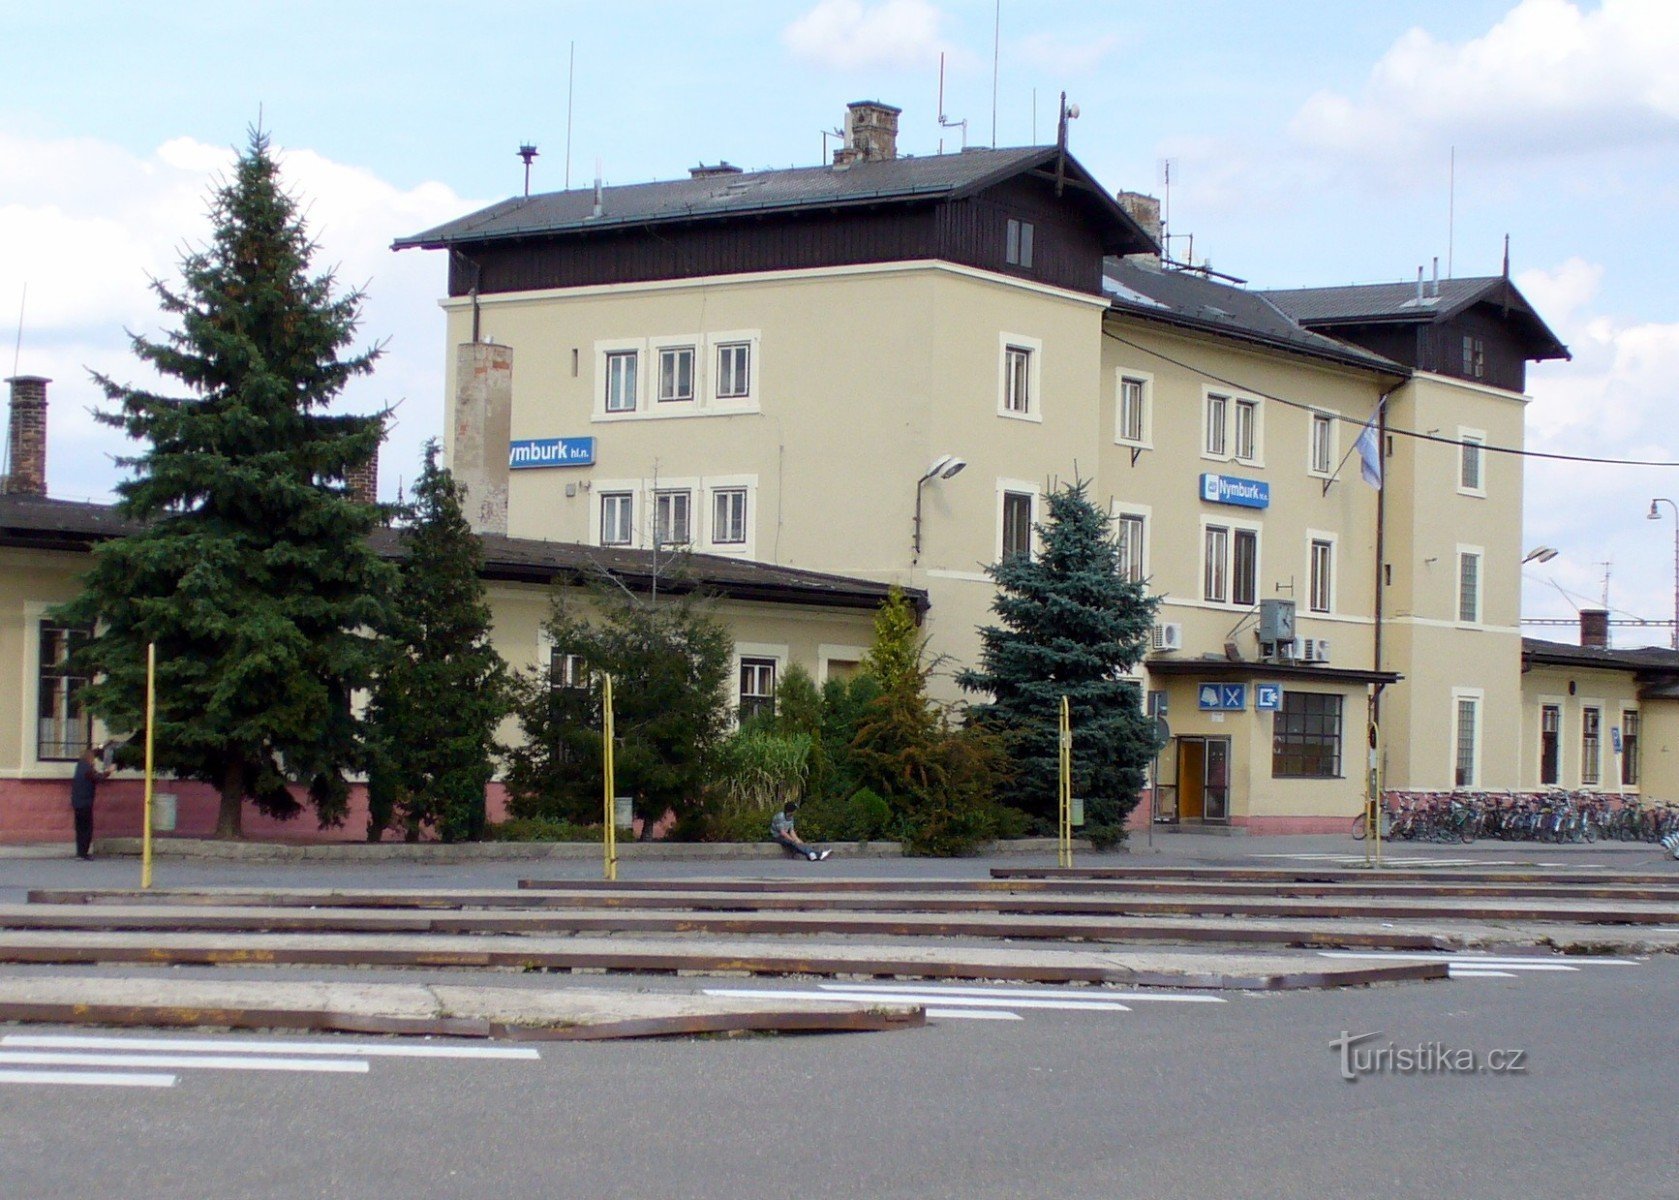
{"x":1646,"y":659}
{"x":1401,"y":304}
{"x":717,"y":197}
{"x":1191,"y":300}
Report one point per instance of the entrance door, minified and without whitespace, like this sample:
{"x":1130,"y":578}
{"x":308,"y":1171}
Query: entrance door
{"x":1204,"y":779}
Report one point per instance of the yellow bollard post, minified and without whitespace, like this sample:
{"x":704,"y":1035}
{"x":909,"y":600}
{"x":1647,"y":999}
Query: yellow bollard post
{"x":1064,"y":829}
{"x":609,"y":838}
{"x":146,"y":817}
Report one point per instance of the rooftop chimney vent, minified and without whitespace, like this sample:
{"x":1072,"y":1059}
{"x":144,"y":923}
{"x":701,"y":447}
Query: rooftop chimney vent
{"x":871,"y":133}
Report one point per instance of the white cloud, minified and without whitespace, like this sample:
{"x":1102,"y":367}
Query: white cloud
{"x":851,"y":34}
{"x":86,"y":224}
{"x":1548,"y":78}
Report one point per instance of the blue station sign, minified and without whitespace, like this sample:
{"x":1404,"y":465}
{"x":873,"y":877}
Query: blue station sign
{"x":532,"y":453}
{"x":1228,"y":489}
{"x":1267,"y":697}
{"x":1222,"y":697}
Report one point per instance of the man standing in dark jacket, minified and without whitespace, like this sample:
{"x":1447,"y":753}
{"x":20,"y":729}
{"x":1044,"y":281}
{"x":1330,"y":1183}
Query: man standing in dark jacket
{"x":83,"y":784}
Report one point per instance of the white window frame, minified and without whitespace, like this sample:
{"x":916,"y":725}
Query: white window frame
{"x":1325,"y":422}
{"x":1227,"y":565}
{"x":1592,"y":704}
{"x":657,"y":348}
{"x":705,"y":402}
{"x":1034,"y":348}
{"x":747,"y":401}
{"x":1215,"y":426}
{"x":1313,"y":537}
{"x":1220,"y":563}
{"x":1480,"y":556}
{"x":709,"y":488}
{"x":1145,"y":387}
{"x":1560,"y":703}
{"x":777,"y":652}
{"x":1144,"y":513}
{"x":1478,"y":439}
{"x":1255,"y":455}
{"x":1477,"y":697}
{"x":668,"y":497}
{"x":1018,"y":237}
{"x":1007,"y":487}
{"x":605,"y":493}
{"x":622,"y":374}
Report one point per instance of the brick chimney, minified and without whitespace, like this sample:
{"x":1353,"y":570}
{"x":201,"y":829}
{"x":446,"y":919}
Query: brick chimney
{"x":26,"y":444}
{"x":704,"y":171}
{"x":871,"y":133}
{"x":364,"y":480}
{"x":1145,"y":211}
{"x":1594,"y":628}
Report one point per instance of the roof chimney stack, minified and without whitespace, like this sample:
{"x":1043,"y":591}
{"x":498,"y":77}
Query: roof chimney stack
{"x":1594,"y":628}
{"x":26,"y":444}
{"x":1145,"y":211}
{"x":871,"y":133}
{"x":363,"y":480}
{"x":704,"y":172}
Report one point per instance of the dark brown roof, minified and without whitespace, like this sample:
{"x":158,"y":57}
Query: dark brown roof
{"x":1213,"y":669}
{"x":753,"y":193}
{"x":32,"y":522}
{"x":1645,"y":660}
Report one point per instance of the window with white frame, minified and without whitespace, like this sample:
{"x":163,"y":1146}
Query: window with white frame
{"x":1215,"y":570}
{"x":676,"y":374}
{"x":1017,"y":248}
{"x":1017,"y":525}
{"x":1466,"y":741}
{"x":728,"y":516}
{"x":63,"y":727}
{"x":617,"y":518}
{"x":1550,"y":744}
{"x":1247,"y":430}
{"x":1323,"y":444}
{"x":566,"y":671}
{"x":1471,"y":463}
{"x":1629,"y":747}
{"x":1469,"y":586}
{"x":757,"y":687}
{"x":1131,"y":424}
{"x":734,"y":370}
{"x":1474,"y":357}
{"x":1218,"y":414}
{"x":1244,"y":567}
{"x":1131,"y":532}
{"x":1017,"y":380}
{"x":1230,"y":565}
{"x":1591,"y":746}
{"x":621,"y":372}
{"x":1321,"y":589}
{"x":672,"y":525}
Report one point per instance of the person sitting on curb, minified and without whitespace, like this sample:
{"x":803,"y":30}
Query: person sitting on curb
{"x":781,"y":829}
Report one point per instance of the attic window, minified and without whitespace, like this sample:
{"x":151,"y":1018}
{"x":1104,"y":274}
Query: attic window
{"x":1018,"y":252}
{"x":1474,"y":357}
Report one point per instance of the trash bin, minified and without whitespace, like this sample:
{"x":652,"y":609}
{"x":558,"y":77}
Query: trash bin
{"x":163,"y":812}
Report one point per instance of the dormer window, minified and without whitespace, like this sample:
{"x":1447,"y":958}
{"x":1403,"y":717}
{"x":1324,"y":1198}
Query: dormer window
{"x":1018,"y":252}
{"x":1474,"y":357}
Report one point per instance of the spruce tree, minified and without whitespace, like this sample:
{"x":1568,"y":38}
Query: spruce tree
{"x":442,"y":689}
{"x":251,"y":570}
{"x":1069,"y":626}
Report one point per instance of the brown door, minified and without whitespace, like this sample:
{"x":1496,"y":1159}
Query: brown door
{"x":1192,"y":777}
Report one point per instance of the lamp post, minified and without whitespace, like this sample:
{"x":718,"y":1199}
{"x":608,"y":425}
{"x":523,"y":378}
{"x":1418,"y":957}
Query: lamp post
{"x":944,"y":467}
{"x":1654,"y":515}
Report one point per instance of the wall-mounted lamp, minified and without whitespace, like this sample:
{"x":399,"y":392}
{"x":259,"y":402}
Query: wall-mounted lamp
{"x":945,"y":466}
{"x":1541,"y":554}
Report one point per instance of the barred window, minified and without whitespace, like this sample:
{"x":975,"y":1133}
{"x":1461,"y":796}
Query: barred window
{"x":1591,"y":741}
{"x":1550,"y":748}
{"x":1306,"y":736}
{"x":1629,"y":747}
{"x":63,"y":727}
{"x":1468,"y":720}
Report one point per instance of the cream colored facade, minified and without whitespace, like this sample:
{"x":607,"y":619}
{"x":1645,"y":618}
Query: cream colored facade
{"x":31,"y":582}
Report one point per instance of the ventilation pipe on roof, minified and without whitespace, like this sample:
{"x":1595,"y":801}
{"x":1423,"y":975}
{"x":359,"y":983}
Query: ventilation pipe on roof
{"x":26,"y":443}
{"x":1419,"y":283}
{"x":1435,"y":290}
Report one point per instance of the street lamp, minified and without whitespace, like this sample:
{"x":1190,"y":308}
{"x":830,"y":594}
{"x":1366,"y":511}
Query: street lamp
{"x":945,"y":466}
{"x":1540,"y":554}
{"x":1655,"y":515}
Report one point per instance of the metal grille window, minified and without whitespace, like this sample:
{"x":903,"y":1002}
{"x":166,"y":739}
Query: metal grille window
{"x":1214,"y":571}
{"x":1018,"y":250}
{"x":63,"y":728}
{"x":671,"y":518}
{"x":1629,"y":747}
{"x":676,"y":374}
{"x":617,"y":513}
{"x":1469,"y":465}
{"x":1468,"y":712}
{"x":734,"y":370}
{"x":1133,"y":528}
{"x":1469,"y":587}
{"x":757,"y":687}
{"x":1591,"y":745}
{"x":566,"y":671}
{"x":728,"y":516}
{"x":1550,"y":744}
{"x":1017,"y":525}
{"x":1131,"y":401}
{"x":1017,"y":379}
{"x":1244,"y":567}
{"x":1247,"y":430}
{"x":1306,"y":736}
{"x":1323,"y":442}
{"x":1217,"y":409}
{"x":620,"y":381}
{"x":1322,"y":594}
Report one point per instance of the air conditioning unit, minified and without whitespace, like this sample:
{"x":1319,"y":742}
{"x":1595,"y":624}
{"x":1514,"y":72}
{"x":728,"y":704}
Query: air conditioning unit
{"x":1168,"y":636}
{"x":1315,"y":650}
{"x":1292,"y":649}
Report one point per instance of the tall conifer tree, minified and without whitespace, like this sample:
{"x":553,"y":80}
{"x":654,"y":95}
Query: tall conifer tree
{"x":442,"y":690}
{"x":1069,"y":626}
{"x":251,"y":570}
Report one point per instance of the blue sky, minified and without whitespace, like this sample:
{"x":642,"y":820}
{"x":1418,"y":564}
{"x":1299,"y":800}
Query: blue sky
{"x":1309,"y":144}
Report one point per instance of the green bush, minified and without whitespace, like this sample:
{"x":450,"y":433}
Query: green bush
{"x":862,"y":816}
{"x":541,"y":829}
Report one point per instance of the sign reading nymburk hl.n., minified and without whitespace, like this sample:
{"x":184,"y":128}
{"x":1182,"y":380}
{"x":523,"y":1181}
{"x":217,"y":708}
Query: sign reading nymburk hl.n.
{"x":551,"y":452}
{"x":1227,"y":489}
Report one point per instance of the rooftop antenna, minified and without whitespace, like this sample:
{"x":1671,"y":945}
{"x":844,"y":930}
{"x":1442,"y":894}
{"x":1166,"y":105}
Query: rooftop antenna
{"x":1166,"y":207}
{"x":1506,"y":256}
{"x":996,"y":60}
{"x":1607,"y":566}
{"x":1451,"y":208}
{"x":598,"y":207}
{"x":570,"y":80}
{"x":17,"y":346}
{"x":1069,"y":112}
{"x":839,"y":136}
{"x":944,"y":121}
{"x":527,"y":152}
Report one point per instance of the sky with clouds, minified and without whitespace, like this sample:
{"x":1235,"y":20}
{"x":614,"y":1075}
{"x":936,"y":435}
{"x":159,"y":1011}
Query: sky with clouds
{"x":1310,"y":143}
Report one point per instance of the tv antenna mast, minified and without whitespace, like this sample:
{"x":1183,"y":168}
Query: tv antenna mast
{"x":944,"y":121}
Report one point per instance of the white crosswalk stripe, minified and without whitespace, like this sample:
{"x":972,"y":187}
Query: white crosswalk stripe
{"x":95,"y":1060}
{"x":1487,"y":966}
{"x":974,"y":1003}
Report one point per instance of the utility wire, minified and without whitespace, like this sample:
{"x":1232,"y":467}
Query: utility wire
{"x":1391,"y":429}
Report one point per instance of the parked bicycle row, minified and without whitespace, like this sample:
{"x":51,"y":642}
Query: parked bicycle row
{"x":1549,"y":816}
